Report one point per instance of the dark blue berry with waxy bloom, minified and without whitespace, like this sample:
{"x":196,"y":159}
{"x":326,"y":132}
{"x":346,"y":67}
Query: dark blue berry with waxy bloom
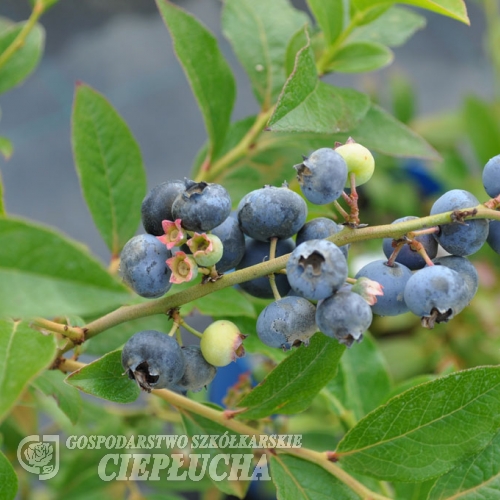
{"x":393,"y":280}
{"x":491,"y":176}
{"x":460,"y":238}
{"x":319,"y":229}
{"x":202,"y":206}
{"x":257,"y":252}
{"x":233,"y":243}
{"x":322,"y":176}
{"x":153,"y":359}
{"x":287,"y":322}
{"x":344,"y":316}
{"x":143,"y":266}
{"x":494,"y":236}
{"x":157,"y":205}
{"x":316,"y":269}
{"x":407,"y":256}
{"x":198,"y":372}
{"x":435,"y":293}
{"x":271,"y":212}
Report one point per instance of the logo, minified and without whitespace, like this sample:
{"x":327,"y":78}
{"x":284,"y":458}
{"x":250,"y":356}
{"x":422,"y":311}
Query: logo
{"x":40,"y":455}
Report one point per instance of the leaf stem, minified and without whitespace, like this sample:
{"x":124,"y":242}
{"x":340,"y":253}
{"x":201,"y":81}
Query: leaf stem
{"x":241,"y":149}
{"x":18,"y":42}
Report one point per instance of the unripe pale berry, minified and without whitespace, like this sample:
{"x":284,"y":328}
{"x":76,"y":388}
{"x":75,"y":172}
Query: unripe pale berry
{"x":360,"y":161}
{"x":221,"y":343}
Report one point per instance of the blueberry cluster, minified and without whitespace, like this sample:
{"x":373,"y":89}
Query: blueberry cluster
{"x":190,"y":230}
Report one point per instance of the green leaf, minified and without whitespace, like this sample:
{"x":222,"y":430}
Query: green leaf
{"x":6,"y":148}
{"x":293,"y":384}
{"x":20,"y":65}
{"x":227,"y":302}
{"x":206,"y":69}
{"x":379,"y":131}
{"x":3,"y":212}
{"x":403,"y":98}
{"x":329,"y":15}
{"x":197,"y":425}
{"x":413,"y":491}
{"x":482,"y":126}
{"x":109,"y":165}
{"x":427,"y":430}
{"x":42,"y":273}
{"x":8,"y":479}
{"x":24,"y":353}
{"x":297,"y":479}
{"x":474,"y":478}
{"x":308,"y":105}
{"x":259,"y":32}
{"x":359,"y":57}
{"x":104,"y":378}
{"x":393,"y":28}
{"x":365,"y":380}
{"x":51,"y":383}
{"x":455,"y":9}
{"x":297,"y":42}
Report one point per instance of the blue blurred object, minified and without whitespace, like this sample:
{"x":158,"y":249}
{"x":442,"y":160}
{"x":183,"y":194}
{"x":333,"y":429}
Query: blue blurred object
{"x":419,"y":175}
{"x":226,"y":377}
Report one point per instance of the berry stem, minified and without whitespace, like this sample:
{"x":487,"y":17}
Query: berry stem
{"x":397,"y":245}
{"x":272,"y":278}
{"x":419,"y":248}
{"x":189,"y":328}
{"x":174,"y":329}
{"x":75,"y":334}
{"x":341,"y":211}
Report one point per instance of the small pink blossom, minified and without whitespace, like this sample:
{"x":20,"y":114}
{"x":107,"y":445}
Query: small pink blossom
{"x":183,"y":267}
{"x":174,"y":234}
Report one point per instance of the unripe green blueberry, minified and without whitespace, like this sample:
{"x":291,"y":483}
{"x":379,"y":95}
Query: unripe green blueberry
{"x":206,"y":249}
{"x":221,"y":343}
{"x":359,"y":161}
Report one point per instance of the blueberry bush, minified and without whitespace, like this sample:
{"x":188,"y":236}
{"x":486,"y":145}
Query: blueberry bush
{"x":388,"y":370}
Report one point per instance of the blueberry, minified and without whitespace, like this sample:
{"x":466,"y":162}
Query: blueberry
{"x":198,"y":373}
{"x":322,"y":176}
{"x":344,"y":316}
{"x":202,"y":206}
{"x":222,"y":343}
{"x":316,"y":269}
{"x":359,"y":161}
{"x":271,"y":212}
{"x":460,"y":238}
{"x":233,"y":242}
{"x":287,"y":322}
{"x":319,"y":229}
{"x":143,"y":266}
{"x":407,"y":256}
{"x":494,"y":236}
{"x":491,"y":176}
{"x":435,"y":293}
{"x":393,"y":280}
{"x":257,"y":252}
{"x":157,"y":205}
{"x":466,"y":270}
{"x":153,"y":359}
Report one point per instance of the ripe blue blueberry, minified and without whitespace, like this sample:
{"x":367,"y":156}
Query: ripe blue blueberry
{"x":287,"y":322}
{"x":344,"y":316}
{"x":319,"y":229}
{"x":257,"y":252}
{"x":271,"y":212}
{"x":491,"y":176}
{"x":407,"y":256}
{"x":157,"y":205}
{"x":467,"y":271}
{"x":233,"y":242}
{"x":202,"y":206}
{"x":143,"y":266}
{"x":322,"y":176}
{"x":435,"y":293}
{"x":153,"y":359}
{"x":316,"y":269}
{"x":494,"y":236}
{"x":393,"y":280}
{"x":460,"y":238}
{"x":198,"y":372}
